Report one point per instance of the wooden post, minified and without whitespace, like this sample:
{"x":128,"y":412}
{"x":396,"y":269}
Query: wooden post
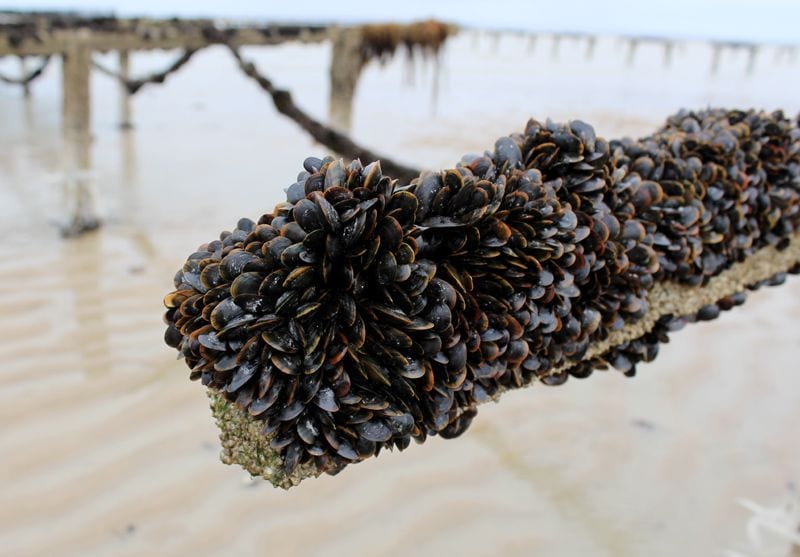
{"x":76,"y":69}
{"x":531,"y":42}
{"x":669,"y":47}
{"x":556,"y":46}
{"x":125,"y":119}
{"x":591,"y":43}
{"x":752,"y":53}
{"x":632,"y":45}
{"x":715,"y":57}
{"x":346,"y":65}
{"x":23,"y":71}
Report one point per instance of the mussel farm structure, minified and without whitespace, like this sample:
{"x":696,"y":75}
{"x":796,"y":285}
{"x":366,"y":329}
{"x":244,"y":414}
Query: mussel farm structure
{"x":75,"y":38}
{"x":366,"y":311}
{"x":381,"y":304}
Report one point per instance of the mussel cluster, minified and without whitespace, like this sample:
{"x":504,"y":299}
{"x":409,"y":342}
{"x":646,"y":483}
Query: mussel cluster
{"x":362,"y":313}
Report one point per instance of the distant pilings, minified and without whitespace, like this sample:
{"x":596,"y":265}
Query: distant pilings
{"x":632,"y":44}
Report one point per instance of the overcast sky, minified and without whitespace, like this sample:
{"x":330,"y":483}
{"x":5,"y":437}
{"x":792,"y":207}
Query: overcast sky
{"x":758,"y":20}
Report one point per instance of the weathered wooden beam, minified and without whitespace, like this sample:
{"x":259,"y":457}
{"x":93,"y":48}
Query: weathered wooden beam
{"x":190,"y":38}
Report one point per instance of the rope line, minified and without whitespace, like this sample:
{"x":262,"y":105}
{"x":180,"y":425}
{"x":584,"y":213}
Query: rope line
{"x":134,"y":85}
{"x":334,"y":140}
{"x":26,"y":79}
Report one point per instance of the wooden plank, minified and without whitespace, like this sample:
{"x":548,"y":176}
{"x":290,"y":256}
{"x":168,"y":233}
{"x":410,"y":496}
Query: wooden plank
{"x":102,"y":41}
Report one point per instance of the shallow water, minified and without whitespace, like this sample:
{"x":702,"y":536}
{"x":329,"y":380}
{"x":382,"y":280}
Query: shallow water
{"x":108,"y":449}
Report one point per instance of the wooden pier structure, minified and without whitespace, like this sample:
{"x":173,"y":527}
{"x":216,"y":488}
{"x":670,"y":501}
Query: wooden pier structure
{"x":74,"y":38}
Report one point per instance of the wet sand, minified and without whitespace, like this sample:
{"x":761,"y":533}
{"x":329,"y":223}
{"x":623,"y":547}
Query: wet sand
{"x":108,"y":449}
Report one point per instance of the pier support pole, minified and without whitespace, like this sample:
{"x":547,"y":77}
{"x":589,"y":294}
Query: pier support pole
{"x":633,"y":44}
{"x":125,"y":114}
{"x":752,"y":53}
{"x":346,"y":65}
{"x":76,"y":68}
{"x":23,"y":71}
{"x":716,"y":55}
{"x":669,"y":47}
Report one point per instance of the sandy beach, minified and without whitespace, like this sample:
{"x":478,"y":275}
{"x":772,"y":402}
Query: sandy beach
{"x":108,"y":449}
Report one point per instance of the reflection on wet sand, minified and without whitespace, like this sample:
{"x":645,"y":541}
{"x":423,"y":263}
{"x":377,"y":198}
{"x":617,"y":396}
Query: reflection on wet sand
{"x":82,"y":272}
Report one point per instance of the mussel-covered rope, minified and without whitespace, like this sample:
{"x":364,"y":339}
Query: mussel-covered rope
{"x":362,"y":313}
{"x":134,"y":85}
{"x":27,"y":79}
{"x":327,"y":136}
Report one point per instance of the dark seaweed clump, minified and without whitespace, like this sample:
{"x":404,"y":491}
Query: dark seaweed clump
{"x":362,"y":313}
